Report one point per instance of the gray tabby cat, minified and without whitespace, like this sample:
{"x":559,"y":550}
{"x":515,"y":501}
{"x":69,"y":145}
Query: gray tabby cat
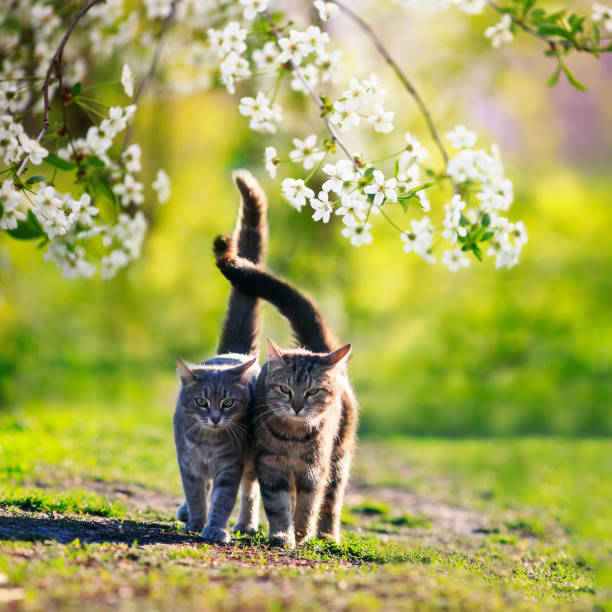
{"x":210,"y":422}
{"x":304,"y":419}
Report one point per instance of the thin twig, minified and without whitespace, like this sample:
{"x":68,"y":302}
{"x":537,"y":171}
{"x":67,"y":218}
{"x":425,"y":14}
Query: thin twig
{"x":553,"y":44}
{"x":403,"y":79}
{"x":168,"y":21}
{"x":55,"y":65}
{"x":300,"y":75}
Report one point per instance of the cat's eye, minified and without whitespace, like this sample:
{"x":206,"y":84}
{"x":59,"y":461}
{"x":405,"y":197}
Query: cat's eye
{"x":311,"y":392}
{"x":286,"y":390}
{"x":227,"y":402}
{"x":202,"y":402}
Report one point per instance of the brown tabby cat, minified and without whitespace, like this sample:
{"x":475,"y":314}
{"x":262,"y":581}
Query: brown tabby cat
{"x":210,"y":422}
{"x":304,"y":419}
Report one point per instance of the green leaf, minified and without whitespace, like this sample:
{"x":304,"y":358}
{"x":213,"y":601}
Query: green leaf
{"x":487,"y":236}
{"x":572,"y":79}
{"x":550,"y":29}
{"x":1,"y":209}
{"x":95,"y":162}
{"x":486,"y":220}
{"x":37,"y":178}
{"x":464,"y":220}
{"x":396,"y":169}
{"x":58,"y":162}
{"x":76,"y":89}
{"x":554,"y":77}
{"x":369,"y":171}
{"x":29,"y":229}
{"x":103,"y":189}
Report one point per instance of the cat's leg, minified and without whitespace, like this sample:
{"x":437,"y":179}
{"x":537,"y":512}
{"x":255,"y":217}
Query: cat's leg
{"x":275,"y":484}
{"x":182,"y":514}
{"x":309,"y":489}
{"x":331,"y":508}
{"x":222,"y":501}
{"x":248,"y":515}
{"x":194,"y":508}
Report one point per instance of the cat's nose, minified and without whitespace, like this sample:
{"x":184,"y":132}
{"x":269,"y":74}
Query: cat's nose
{"x":297,"y":407}
{"x":215,"y":419}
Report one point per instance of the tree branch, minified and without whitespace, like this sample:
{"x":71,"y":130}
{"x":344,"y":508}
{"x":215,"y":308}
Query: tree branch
{"x":55,"y":66}
{"x":410,"y":88}
{"x":300,"y":75}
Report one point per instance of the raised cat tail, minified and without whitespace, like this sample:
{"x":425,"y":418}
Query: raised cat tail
{"x":302,"y":313}
{"x":241,"y":326}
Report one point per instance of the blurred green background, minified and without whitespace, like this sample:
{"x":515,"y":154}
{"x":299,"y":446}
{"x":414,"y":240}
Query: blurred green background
{"x":478,"y":353}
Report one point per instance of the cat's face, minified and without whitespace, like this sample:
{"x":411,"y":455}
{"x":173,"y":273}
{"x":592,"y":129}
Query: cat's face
{"x":301,"y":386}
{"x":214,"y":397}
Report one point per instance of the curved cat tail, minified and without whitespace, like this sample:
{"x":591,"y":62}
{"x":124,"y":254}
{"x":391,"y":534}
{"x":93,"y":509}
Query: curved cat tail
{"x":241,"y":326}
{"x":302,"y":313}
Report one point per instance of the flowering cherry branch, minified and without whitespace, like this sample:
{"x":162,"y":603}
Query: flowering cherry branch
{"x":236,"y":41}
{"x":54,"y":66}
{"x":300,"y":75}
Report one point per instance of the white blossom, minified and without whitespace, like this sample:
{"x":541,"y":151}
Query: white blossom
{"x":233,"y":68}
{"x":11,"y":200}
{"x":500,"y":33}
{"x":306,"y":152}
{"x":81,"y":212}
{"x":455,"y":259}
{"x":271,"y":161}
{"x":262,"y":112}
{"x":161,"y":185}
{"x":131,"y":158}
{"x":338,"y":173}
{"x":353,"y":208}
{"x":382,"y":120}
{"x":326,"y":9}
{"x":253,"y":7}
{"x":471,"y":6}
{"x":296,"y":192}
{"x":127,"y":80}
{"x":130,"y":191}
{"x":321,"y":206}
{"x":382,"y":189}
{"x":461,"y":138}
{"x":343,"y":116}
{"x":33,"y":149}
{"x":419,"y":238}
{"x":358,"y":233}
{"x":452,"y":220}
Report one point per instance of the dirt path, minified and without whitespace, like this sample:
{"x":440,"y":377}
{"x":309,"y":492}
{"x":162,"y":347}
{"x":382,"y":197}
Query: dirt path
{"x":445,"y":521}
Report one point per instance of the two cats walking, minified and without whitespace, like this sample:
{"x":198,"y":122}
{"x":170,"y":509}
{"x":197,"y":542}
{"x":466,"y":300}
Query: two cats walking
{"x":287,"y":429}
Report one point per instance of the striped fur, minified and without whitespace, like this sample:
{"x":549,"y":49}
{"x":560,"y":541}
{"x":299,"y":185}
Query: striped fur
{"x":303,"y":444}
{"x":211,"y":440}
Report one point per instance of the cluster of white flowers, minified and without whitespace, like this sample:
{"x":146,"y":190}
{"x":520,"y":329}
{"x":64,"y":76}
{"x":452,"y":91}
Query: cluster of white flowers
{"x":15,"y":143}
{"x":34,"y":207}
{"x":362,"y":99}
{"x":294,"y":60}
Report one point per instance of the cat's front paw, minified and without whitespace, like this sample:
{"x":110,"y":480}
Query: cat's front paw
{"x":215,"y":534}
{"x":283,"y":539}
{"x":245,"y":529}
{"x":182,"y":514}
{"x":193,"y":525}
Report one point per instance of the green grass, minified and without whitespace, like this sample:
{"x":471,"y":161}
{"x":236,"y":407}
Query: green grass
{"x":543,"y":542}
{"x":69,"y":502}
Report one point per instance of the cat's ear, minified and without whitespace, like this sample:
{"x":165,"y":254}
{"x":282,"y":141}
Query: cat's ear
{"x":335,"y":357}
{"x":241,"y":371}
{"x":185,"y":374}
{"x":275,"y":355}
